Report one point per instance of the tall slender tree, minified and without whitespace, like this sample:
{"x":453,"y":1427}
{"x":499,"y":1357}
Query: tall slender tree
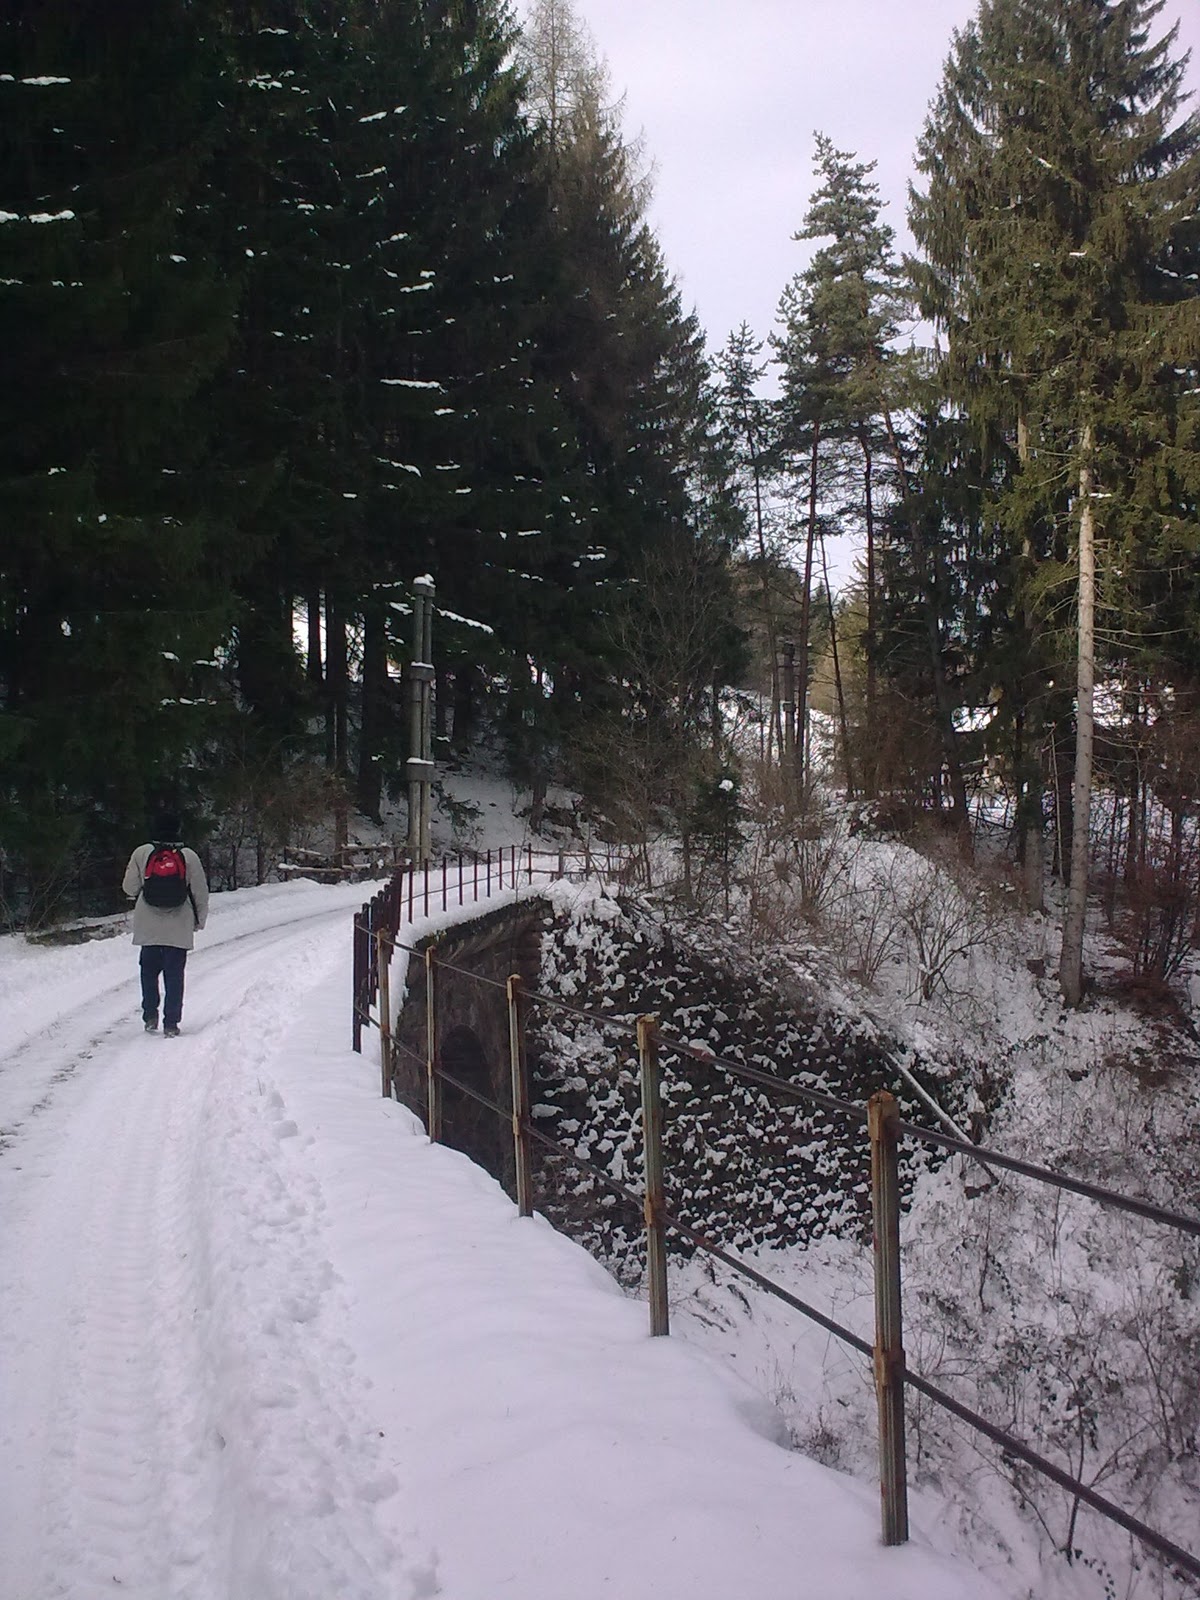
{"x":1061,"y":190}
{"x":840,"y":316}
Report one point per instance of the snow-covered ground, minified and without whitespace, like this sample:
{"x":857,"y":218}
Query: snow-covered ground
{"x":259,"y":1340}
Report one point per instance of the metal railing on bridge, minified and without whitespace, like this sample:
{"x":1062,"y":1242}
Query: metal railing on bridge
{"x":885,"y":1129}
{"x":467,"y":879}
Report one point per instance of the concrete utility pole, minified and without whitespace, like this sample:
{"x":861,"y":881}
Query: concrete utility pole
{"x":420,"y":740}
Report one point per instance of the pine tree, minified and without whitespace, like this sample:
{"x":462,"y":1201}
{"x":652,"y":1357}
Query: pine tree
{"x":839,"y":377}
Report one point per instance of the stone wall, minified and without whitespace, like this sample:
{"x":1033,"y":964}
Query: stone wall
{"x":472,"y":1027}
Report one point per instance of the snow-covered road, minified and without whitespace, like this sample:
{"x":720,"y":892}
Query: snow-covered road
{"x":260,"y":1341}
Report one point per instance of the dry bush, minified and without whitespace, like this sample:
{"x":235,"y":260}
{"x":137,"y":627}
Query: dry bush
{"x":798,"y":856}
{"x":863,"y":924}
{"x":1161,"y":923}
{"x":946,"y":915}
{"x":265,"y":809}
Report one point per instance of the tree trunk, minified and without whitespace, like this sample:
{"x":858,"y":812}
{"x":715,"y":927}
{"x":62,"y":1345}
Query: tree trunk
{"x":776,"y":723}
{"x":806,"y":618}
{"x":843,"y":720}
{"x":374,"y":712}
{"x":870,"y":768}
{"x":928,"y":577}
{"x":465,"y":714}
{"x":1133,"y":844}
{"x":1061,"y":747}
{"x":1031,"y":826}
{"x":314,"y":666}
{"x":1070,"y":966}
{"x":336,"y":687}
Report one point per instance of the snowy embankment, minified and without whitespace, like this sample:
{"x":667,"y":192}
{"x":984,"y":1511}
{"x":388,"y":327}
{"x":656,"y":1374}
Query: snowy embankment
{"x":259,"y":1340}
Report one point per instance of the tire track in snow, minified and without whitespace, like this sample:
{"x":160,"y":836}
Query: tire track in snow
{"x":123,"y":1432}
{"x":101,"y":1264}
{"x":190,"y":1429}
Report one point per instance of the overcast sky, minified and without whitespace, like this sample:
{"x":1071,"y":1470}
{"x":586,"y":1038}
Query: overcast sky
{"x":728,"y":94}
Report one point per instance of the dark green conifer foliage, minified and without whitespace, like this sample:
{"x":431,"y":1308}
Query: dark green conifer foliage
{"x":840,"y":377}
{"x":484,"y":489}
{"x":279,"y":213}
{"x":113,"y":574}
{"x":625,"y":362}
{"x":1058,"y":229}
{"x":341,"y":322}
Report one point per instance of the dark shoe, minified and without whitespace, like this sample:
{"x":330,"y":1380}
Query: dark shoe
{"x":151,"y":1024}
{"x":170,"y":1031}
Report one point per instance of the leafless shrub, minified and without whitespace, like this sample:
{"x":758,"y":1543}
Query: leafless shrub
{"x":863,"y":924}
{"x":1161,"y":924}
{"x":265,"y":807}
{"x":946,"y":915}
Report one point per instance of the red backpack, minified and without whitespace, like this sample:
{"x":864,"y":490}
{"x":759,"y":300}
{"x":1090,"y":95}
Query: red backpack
{"x":164,"y":878}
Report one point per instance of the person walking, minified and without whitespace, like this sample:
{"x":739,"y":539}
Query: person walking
{"x":166,"y":882}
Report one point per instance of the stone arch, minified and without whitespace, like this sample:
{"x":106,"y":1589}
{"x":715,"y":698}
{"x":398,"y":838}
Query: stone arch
{"x":474,"y":959}
{"x":467,"y":1125}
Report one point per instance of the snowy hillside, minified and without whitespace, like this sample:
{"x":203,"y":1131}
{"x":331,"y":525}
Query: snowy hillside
{"x":260,"y":1341}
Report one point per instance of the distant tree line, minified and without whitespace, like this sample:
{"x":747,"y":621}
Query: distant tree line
{"x":299,"y":302}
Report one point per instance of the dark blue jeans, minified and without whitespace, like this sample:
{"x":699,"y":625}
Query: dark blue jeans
{"x":170,"y":961}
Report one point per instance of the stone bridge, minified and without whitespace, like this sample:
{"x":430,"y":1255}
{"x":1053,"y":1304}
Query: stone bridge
{"x":471,"y":1019}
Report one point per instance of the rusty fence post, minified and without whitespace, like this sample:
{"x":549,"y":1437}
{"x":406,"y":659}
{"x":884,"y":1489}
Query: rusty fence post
{"x":383,"y":958}
{"x":433,"y":1080}
{"x":883,"y":1115}
{"x":358,"y":982}
{"x":520,"y":1096}
{"x":655,"y":1201}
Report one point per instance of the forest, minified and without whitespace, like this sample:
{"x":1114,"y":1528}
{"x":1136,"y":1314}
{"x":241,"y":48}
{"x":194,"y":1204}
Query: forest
{"x":300,"y":302}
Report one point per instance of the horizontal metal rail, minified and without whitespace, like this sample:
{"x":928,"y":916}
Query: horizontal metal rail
{"x":1181,"y":1559}
{"x":1154,"y":1541}
{"x":584,"y":1165}
{"x":473,"y":1094}
{"x":767,"y":1080}
{"x":613,"y":1024}
{"x":1059,"y":1180}
{"x":702,"y":1242}
{"x":535,"y":1133}
{"x":829,"y":1102}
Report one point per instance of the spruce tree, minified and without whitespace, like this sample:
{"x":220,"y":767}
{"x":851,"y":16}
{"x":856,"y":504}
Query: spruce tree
{"x":619,"y":352}
{"x":1061,"y":193}
{"x":113,"y":316}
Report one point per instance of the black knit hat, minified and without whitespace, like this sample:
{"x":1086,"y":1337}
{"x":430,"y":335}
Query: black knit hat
{"x":166,"y":827}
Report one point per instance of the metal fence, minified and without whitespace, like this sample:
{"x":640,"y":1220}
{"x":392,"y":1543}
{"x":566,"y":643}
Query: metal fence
{"x":469,"y":878}
{"x":885,"y":1129}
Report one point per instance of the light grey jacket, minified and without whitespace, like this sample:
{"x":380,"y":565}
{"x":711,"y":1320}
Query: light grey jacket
{"x":173,"y":925}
